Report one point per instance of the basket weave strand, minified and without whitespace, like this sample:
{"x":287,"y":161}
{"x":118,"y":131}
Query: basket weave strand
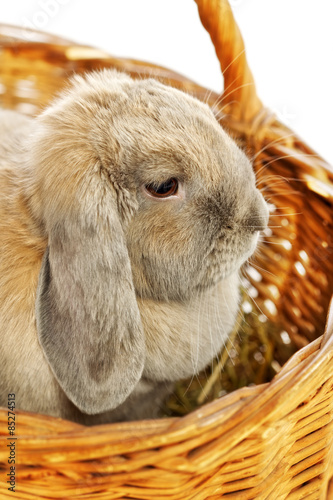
{"x":268,"y":442}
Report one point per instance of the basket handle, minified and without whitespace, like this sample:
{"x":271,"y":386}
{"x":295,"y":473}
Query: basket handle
{"x":239,"y":98}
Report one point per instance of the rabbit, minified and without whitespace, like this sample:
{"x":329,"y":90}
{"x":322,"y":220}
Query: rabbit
{"x":126,"y":213}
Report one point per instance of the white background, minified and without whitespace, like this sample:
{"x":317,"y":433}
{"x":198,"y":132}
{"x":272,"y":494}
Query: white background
{"x":289,"y":45}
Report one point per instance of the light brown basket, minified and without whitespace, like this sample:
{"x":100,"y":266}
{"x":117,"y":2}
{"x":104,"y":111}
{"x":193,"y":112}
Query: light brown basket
{"x":272,"y":441}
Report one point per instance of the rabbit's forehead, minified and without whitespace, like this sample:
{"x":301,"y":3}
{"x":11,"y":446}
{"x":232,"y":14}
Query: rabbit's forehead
{"x":195,"y":153}
{"x":191,"y":141}
{"x":171,"y":142}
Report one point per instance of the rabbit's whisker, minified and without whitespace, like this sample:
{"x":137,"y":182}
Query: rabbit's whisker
{"x":267,"y":146}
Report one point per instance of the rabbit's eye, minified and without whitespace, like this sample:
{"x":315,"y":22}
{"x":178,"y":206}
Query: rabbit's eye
{"x":168,"y":188}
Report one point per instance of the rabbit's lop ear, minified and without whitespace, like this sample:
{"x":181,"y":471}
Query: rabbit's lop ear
{"x":88,"y":320}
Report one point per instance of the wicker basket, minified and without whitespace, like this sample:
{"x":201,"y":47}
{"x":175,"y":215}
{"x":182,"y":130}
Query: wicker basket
{"x":272,"y":441}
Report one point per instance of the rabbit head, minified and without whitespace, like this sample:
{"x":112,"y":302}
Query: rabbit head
{"x":147,"y":197}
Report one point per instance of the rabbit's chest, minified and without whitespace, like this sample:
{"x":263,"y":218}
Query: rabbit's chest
{"x":181,"y":339}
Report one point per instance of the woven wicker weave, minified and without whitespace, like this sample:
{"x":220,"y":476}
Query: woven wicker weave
{"x":272,"y":441}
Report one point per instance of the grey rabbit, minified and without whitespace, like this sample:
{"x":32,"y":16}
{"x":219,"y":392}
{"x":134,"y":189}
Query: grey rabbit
{"x":126,"y":212}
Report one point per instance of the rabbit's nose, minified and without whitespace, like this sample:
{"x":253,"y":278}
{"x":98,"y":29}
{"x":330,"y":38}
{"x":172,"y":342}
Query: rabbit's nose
{"x":258,"y":216}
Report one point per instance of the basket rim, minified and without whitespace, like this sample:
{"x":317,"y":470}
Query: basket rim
{"x":77,"y":51}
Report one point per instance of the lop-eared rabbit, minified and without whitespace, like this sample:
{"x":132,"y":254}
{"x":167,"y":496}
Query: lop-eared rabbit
{"x":126,"y":213}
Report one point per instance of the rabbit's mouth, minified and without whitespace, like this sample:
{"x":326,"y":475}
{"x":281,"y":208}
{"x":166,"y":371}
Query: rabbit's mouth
{"x":226,"y":257}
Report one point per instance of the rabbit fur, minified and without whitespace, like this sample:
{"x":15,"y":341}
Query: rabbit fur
{"x":108,"y":294}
